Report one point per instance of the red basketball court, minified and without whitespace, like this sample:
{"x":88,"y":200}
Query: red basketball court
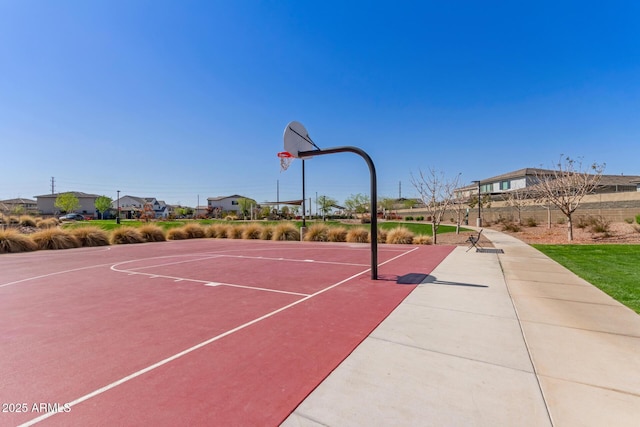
{"x":196,"y":332}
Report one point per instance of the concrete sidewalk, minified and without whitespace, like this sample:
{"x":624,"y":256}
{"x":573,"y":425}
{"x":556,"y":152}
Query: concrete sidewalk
{"x":491,"y":339}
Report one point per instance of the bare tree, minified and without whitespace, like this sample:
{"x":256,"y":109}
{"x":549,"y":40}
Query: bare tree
{"x":436,"y":194}
{"x":517,"y":199}
{"x":567,"y":184}
{"x":459,"y":205}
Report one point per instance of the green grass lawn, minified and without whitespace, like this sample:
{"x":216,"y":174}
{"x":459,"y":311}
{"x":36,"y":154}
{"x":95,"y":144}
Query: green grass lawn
{"x":615,"y":269}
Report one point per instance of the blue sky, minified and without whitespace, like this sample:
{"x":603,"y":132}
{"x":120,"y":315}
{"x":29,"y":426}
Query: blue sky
{"x":180,"y":99}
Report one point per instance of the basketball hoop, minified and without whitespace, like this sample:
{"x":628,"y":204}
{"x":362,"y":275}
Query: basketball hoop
{"x":285,"y":160}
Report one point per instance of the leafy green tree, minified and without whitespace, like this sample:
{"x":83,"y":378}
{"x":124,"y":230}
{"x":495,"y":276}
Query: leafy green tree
{"x":103,"y":204}
{"x":387,"y":204}
{"x":67,"y":202}
{"x":325,"y":204}
{"x":184,"y":211}
{"x":357,"y":203}
{"x":245,"y":205}
{"x":18,"y":210}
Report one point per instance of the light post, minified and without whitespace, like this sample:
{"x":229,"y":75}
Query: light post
{"x":118,"y":205}
{"x":479,"y":220}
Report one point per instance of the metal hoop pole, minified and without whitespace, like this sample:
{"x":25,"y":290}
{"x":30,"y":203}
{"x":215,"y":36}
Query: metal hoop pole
{"x":374,"y":195}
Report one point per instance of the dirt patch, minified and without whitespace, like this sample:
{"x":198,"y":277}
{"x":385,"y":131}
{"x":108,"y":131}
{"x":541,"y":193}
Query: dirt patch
{"x":618,"y":232}
{"x":461,"y":239}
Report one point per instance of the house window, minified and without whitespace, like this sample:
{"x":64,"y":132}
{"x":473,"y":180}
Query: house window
{"x":234,"y":202}
{"x":486,"y":188}
{"x":504,"y":185}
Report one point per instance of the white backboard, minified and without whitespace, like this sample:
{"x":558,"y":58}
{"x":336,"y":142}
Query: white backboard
{"x":296,"y":139}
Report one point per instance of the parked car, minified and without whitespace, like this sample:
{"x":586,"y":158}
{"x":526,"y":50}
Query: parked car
{"x":72,"y":217}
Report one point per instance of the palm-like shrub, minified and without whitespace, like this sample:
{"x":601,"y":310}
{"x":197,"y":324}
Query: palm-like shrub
{"x":337,"y":234}
{"x":54,"y":238}
{"x":286,"y":231}
{"x":126,"y":235}
{"x":152,"y":233}
{"x":12,"y":242}
{"x":317,"y":233}
{"x":358,"y":235}
{"x":91,"y":236}
{"x":400,"y":235}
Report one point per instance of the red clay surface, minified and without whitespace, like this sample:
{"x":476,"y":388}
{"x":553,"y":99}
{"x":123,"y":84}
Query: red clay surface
{"x":198,"y":332}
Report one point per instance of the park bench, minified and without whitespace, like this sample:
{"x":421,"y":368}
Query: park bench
{"x":474,"y":240}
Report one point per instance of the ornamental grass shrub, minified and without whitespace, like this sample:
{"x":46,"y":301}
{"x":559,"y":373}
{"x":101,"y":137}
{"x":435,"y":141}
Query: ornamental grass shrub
{"x":152,"y":233}
{"x":27,"y":221}
{"x":126,"y":235}
{"x":422,"y":239}
{"x":400,"y":235}
{"x":337,"y":234}
{"x":55,"y":238}
{"x":216,"y":231}
{"x":358,"y":235}
{"x":177,"y":233}
{"x":510,"y":226}
{"x":266,"y":233}
{"x":47,"y":223}
{"x":194,"y":231}
{"x":286,"y":231}
{"x":252,"y":231}
{"x":382,"y":235}
{"x":12,"y":241}
{"x":234,"y":231}
{"x":317,"y":233}
{"x":90,"y":236}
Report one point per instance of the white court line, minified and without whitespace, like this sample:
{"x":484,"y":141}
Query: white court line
{"x":293,"y":260}
{"x":200,"y":345}
{"x":231,"y":285}
{"x":164,"y":264}
{"x":54,"y":274}
{"x":204,"y":282}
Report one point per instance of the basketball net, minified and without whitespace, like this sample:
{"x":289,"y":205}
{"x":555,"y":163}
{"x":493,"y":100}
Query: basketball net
{"x":285,"y":160}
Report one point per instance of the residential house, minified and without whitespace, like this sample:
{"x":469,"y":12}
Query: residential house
{"x":87,"y":203}
{"x":225,"y":203}
{"x":616,"y":198}
{"x":528,"y":177}
{"x":18,"y":205}
{"x":132,"y":206}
